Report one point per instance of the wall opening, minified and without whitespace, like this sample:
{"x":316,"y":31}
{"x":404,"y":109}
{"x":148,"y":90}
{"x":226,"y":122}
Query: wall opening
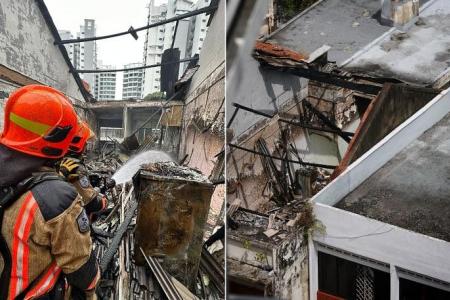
{"x":344,"y":279}
{"x":241,"y":287}
{"x":411,"y":290}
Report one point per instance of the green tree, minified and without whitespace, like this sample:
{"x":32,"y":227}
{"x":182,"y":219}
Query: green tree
{"x":155,"y":96}
{"x":287,"y":9}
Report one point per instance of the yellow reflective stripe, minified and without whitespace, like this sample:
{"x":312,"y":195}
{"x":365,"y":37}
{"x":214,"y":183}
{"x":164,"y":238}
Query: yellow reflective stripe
{"x":35,"y":127}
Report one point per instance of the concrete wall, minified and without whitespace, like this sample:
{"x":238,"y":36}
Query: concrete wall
{"x":389,"y":109}
{"x":380,"y":244}
{"x":203,"y":118}
{"x":5,"y":89}
{"x":28,"y":56}
{"x":259,"y":89}
{"x":292,"y":278}
{"x":26,"y":46}
{"x":313,"y":146}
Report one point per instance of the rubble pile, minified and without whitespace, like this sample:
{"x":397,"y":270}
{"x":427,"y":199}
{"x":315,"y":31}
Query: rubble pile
{"x":172,"y":170}
{"x":296,"y":217}
{"x":106,"y":165}
{"x":127,"y":271}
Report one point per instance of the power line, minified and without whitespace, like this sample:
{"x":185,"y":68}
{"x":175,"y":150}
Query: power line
{"x":132,"y":31}
{"x":135,"y":68}
{"x":279,"y":158}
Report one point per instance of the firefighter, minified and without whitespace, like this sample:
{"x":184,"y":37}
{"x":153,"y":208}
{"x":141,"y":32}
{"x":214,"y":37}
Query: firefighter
{"x":73,"y":169}
{"x":45,"y":241}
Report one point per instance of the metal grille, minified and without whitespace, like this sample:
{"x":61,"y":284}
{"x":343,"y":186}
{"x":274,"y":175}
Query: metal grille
{"x":365,"y":283}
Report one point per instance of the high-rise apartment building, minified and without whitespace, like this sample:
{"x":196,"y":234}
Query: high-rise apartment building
{"x":88,"y":53}
{"x":182,"y":37}
{"x":198,"y":29}
{"x":105,"y":84}
{"x":132,"y":82}
{"x":83,"y":55}
{"x":189,"y":37}
{"x":67,"y":35}
{"x":153,"y":48}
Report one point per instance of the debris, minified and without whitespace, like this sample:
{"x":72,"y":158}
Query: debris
{"x":278,"y":51}
{"x":173,"y":207}
{"x":294,"y":222}
{"x":172,"y":170}
{"x":270,"y":232}
{"x":234,"y":206}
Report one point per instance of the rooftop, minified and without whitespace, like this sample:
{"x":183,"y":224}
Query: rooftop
{"x":345,"y":25}
{"x":411,"y":190}
{"x":420,"y":55}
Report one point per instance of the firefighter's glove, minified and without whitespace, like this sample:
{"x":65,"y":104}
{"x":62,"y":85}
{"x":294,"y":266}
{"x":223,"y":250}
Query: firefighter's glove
{"x":68,"y":168}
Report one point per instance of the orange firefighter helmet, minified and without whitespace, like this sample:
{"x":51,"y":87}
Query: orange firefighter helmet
{"x":39,"y":121}
{"x":80,"y":139}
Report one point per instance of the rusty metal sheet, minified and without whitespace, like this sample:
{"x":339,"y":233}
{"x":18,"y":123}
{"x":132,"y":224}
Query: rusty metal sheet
{"x":279,"y":51}
{"x":172,"y":214}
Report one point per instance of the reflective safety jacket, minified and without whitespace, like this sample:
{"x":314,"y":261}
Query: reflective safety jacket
{"x":47,"y":232}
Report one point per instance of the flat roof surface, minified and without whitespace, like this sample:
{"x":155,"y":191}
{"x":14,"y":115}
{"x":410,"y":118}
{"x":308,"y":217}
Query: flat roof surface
{"x":344,"y":25}
{"x":419,"y":55}
{"x":412,"y":190}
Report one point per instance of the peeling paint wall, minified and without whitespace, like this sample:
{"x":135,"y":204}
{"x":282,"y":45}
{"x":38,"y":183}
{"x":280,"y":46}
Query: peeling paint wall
{"x":314,"y":146}
{"x":5,"y":90}
{"x":292,"y":277}
{"x":202,"y":136}
{"x":27,"y":50}
{"x":26,"y":46}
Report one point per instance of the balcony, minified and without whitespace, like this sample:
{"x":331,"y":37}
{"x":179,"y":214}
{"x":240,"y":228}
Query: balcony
{"x":108,"y":133}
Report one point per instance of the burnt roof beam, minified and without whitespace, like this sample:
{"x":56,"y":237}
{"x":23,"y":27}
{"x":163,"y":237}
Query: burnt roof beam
{"x":324,"y":77}
{"x":336,"y":130}
{"x":282,"y":159}
{"x":344,"y":135}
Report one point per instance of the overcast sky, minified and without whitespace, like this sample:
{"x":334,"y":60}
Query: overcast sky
{"x":110,"y":16}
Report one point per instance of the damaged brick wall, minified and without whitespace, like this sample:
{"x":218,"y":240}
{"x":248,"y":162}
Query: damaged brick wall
{"x":202,"y":135}
{"x":312,"y":145}
{"x":291,"y":271}
{"x":335,"y":102}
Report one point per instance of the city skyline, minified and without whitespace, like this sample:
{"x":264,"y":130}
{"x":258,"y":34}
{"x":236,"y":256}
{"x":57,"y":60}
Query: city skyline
{"x":191,"y":33}
{"x":110,"y":16}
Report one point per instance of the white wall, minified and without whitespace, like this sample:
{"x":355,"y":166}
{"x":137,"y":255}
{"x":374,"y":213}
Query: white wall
{"x":398,"y":248}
